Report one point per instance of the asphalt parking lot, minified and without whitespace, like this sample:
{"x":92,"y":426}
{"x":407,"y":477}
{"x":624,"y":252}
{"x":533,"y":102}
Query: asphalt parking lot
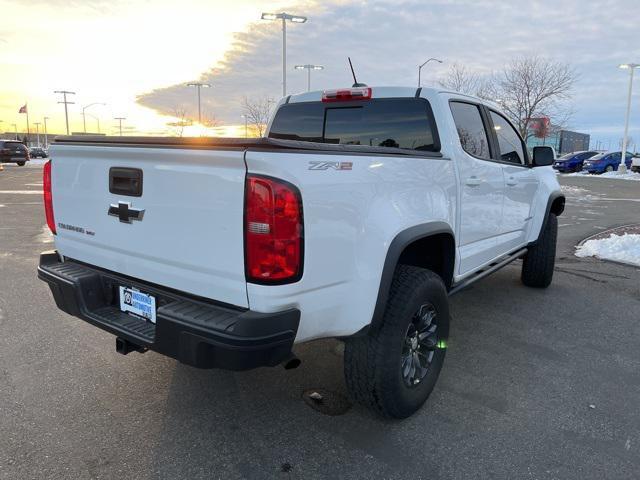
{"x":537,"y":384}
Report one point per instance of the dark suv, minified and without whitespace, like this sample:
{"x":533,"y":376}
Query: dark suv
{"x":38,"y":152}
{"x":13,"y":152}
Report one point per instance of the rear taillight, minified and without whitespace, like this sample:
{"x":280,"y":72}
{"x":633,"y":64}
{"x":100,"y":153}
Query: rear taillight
{"x":347,"y":94}
{"x":273,"y":231}
{"x":48,"y":198}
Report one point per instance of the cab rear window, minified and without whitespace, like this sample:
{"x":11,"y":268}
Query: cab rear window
{"x":386,"y":122}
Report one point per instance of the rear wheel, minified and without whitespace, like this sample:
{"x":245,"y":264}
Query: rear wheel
{"x":394,"y":368}
{"x":538,"y":263}
{"x":609,"y":168}
{"x":21,"y":164}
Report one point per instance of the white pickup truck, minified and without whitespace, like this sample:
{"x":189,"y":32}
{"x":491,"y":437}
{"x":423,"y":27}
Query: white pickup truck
{"x":356,"y":217}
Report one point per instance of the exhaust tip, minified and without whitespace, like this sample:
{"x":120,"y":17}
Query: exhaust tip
{"x":291,"y":362}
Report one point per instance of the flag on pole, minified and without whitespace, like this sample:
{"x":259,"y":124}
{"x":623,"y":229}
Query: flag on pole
{"x":24,"y":109}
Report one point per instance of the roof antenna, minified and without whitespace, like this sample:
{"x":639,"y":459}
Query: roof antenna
{"x":355,"y":81}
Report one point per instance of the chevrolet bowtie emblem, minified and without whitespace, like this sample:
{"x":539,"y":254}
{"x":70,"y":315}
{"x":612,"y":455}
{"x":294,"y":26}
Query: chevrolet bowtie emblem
{"x":125,"y":212}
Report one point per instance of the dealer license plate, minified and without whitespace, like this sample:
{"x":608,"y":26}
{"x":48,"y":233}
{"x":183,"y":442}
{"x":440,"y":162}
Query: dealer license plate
{"x":140,"y":304}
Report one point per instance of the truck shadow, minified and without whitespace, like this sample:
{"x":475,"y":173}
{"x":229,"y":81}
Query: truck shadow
{"x":254,"y":424}
{"x":219,"y":424}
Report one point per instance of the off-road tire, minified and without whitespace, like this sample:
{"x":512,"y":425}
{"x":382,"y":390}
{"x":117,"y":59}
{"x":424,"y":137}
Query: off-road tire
{"x":538,"y":263}
{"x":373,"y":363}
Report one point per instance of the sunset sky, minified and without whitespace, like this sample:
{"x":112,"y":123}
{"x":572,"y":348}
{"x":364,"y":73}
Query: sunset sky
{"x":136,"y":55}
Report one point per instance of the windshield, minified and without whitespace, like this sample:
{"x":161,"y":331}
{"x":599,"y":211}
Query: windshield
{"x":566,"y":156}
{"x":599,"y":156}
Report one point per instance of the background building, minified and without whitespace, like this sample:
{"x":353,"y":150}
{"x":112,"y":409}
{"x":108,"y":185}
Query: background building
{"x":564,"y":141}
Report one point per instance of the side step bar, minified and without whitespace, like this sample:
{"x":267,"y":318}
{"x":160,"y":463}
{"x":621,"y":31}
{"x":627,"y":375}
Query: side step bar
{"x":488,"y":270}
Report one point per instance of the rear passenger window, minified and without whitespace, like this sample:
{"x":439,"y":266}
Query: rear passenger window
{"x":509,"y":141}
{"x":473,"y":136}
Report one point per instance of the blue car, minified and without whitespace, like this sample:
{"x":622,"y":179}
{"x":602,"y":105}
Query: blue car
{"x":572,"y":162}
{"x":606,"y":162}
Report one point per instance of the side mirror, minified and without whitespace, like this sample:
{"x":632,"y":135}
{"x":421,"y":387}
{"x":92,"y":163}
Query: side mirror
{"x":543,"y":156}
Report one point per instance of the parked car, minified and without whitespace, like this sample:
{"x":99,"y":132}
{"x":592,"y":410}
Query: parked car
{"x":635,"y":163}
{"x":13,"y":152}
{"x":38,"y":152}
{"x":606,"y":162}
{"x":357,"y":217}
{"x":572,"y":162}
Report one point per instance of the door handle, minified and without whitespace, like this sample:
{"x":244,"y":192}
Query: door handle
{"x":473,"y":181}
{"x":511,"y":181}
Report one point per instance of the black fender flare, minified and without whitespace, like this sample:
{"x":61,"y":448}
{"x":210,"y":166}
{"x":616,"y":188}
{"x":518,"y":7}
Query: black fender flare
{"x":552,"y":199}
{"x":396,"y":247}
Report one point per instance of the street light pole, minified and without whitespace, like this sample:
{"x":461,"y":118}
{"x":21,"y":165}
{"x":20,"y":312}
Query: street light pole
{"x":623,"y":155}
{"x":97,"y":119}
{"x":198,"y":86}
{"x":84,"y":120}
{"x":284,"y":17}
{"x":46,"y":140}
{"x":420,"y":69}
{"x":66,"y":111}
{"x":120,"y":119}
{"x":246,"y":132}
{"x":308,"y":68}
{"x":37,"y":124}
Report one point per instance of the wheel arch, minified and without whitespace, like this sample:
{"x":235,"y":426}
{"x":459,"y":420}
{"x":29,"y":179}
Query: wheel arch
{"x":555,"y":205}
{"x":430,"y":245}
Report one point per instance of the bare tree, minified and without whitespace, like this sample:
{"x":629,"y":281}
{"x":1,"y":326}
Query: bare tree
{"x":209,"y":119}
{"x":531,"y":87}
{"x":257,"y":113}
{"x":177,"y":127}
{"x":460,"y":79}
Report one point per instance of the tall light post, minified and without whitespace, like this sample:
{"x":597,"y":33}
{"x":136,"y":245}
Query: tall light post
{"x":308,"y":67}
{"x":46,"y":140}
{"x":198,"y":86}
{"x":37,"y":124}
{"x":623,"y":155}
{"x":420,"y":69}
{"x":246,"y":130}
{"x":284,"y":17}
{"x":97,"y":119}
{"x":84,"y":120}
{"x":120,"y":119}
{"x":66,"y":111}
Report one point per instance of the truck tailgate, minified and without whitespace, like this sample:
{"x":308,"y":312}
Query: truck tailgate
{"x":190,"y":236}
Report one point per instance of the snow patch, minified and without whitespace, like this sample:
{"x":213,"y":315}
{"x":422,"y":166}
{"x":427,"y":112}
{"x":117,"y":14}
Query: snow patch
{"x":608,"y":175}
{"x":620,"y":248}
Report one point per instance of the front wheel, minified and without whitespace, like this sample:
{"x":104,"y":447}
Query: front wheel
{"x":394,"y":368}
{"x":21,"y":164}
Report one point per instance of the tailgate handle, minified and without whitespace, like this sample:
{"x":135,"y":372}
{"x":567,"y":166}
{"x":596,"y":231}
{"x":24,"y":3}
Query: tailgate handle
{"x":125,"y":181}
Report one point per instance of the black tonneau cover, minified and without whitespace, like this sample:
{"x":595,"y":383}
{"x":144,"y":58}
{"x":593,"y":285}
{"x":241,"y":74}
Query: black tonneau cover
{"x":228,"y":143}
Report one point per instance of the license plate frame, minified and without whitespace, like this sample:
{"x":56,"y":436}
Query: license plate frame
{"x":137,"y":303}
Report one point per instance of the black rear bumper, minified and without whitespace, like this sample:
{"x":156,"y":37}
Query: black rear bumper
{"x":191,"y":330}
